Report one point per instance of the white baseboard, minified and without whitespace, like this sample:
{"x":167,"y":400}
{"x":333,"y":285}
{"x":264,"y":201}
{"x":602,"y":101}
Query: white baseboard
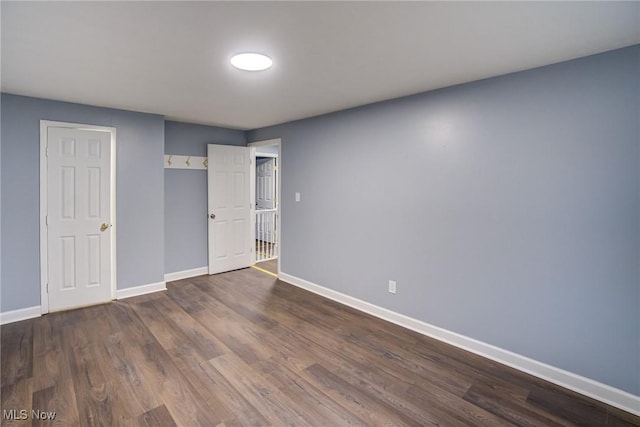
{"x":588,"y":387}
{"x":36,"y":311}
{"x":179,"y":275}
{"x":18,"y":315}
{"x":140,"y":290}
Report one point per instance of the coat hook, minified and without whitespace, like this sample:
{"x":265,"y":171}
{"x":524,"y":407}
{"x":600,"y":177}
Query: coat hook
{"x":170,"y":161}
{"x":205,"y":162}
{"x":188,"y":162}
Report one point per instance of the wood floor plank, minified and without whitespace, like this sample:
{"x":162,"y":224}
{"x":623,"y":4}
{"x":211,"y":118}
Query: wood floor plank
{"x":200,"y":338}
{"x":390,"y":394}
{"x":121,"y":318}
{"x":616,"y":417}
{"x":93,"y":396}
{"x":568,"y":407}
{"x":244,"y":414}
{"x":50,"y":364}
{"x":184,"y":399}
{"x":220,"y":288}
{"x":465,"y":412}
{"x":448,"y":373}
{"x":16,"y":352}
{"x":157,"y":417}
{"x":234,"y":331}
{"x":16,"y":397}
{"x":117,"y":344}
{"x":129,"y":375}
{"x":515,"y":412}
{"x":272,"y":404}
{"x":122,"y":338}
{"x":184,"y":402}
{"x":373,"y":411}
{"x":59,"y":399}
{"x":283,"y":344}
{"x":301,"y":391}
{"x":99,"y":395}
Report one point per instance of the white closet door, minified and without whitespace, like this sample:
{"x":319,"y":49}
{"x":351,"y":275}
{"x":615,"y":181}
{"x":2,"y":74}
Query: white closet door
{"x":78,"y":217}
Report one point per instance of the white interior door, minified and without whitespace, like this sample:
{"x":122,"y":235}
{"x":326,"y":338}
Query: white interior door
{"x":231,"y":198}
{"x":78,"y":217}
{"x":266,"y":183}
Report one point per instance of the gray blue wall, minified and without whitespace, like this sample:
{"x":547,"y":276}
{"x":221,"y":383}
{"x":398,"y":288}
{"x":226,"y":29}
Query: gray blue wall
{"x":139,"y":187}
{"x":186,"y":194}
{"x":508,"y":210}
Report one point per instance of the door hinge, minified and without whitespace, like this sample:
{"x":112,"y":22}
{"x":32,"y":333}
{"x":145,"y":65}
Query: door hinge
{"x":47,"y":288}
{"x":46,"y":220}
{"x":46,"y":150}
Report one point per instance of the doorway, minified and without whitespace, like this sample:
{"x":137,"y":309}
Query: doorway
{"x":266,"y":206}
{"x":267,"y":213}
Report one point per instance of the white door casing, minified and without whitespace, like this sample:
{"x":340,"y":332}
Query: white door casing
{"x":78,"y":245}
{"x":231,"y":201}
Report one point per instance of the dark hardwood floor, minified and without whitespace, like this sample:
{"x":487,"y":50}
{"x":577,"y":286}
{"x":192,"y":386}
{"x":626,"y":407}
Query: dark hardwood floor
{"x":242,"y":348}
{"x":270,"y":266}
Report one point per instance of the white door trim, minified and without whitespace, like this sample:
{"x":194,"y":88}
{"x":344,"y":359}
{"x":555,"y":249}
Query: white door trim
{"x":278,"y":142}
{"x":44,"y":271}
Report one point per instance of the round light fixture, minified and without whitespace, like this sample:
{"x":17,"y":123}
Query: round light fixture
{"x":251,"y":61}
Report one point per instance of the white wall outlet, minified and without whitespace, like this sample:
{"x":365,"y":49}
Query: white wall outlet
{"x":392,"y":286}
{"x":297,"y":197}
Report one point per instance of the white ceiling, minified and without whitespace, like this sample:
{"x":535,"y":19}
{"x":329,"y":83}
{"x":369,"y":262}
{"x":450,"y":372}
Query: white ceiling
{"x":172,"y":58}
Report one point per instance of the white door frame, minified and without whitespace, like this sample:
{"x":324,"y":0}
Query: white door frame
{"x":278,"y":142}
{"x":44,"y":192}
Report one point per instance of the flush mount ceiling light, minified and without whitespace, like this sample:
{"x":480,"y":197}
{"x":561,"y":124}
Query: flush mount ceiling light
{"x":251,"y":61}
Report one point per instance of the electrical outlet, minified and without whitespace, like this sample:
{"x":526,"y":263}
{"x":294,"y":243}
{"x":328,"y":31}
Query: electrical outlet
{"x":297,"y":197}
{"x":392,"y":286}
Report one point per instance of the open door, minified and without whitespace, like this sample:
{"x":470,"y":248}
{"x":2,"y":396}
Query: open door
{"x":231,"y":201}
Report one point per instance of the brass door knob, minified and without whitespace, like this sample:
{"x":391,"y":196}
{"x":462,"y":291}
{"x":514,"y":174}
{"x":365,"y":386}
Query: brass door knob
{"x":104,"y":226}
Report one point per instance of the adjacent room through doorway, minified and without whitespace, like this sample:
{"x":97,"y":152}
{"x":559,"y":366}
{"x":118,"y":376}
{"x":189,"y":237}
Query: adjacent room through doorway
{"x":267,"y":207}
